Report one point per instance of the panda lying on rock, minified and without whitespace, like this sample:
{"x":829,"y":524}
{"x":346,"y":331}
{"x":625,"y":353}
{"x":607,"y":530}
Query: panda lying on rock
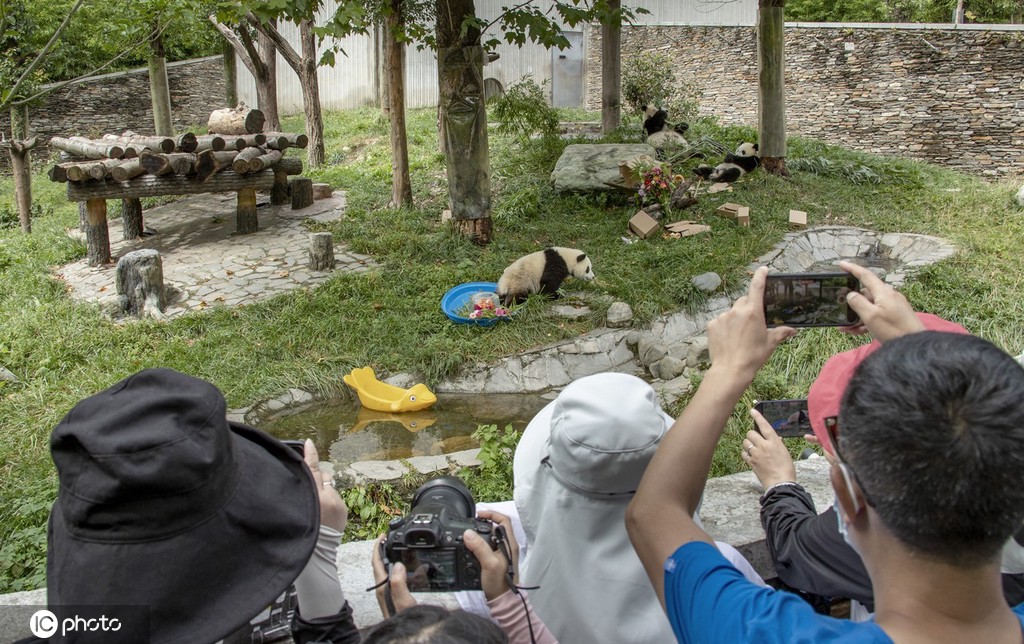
{"x":657,"y":130}
{"x":746,"y":159}
{"x":543,"y":272}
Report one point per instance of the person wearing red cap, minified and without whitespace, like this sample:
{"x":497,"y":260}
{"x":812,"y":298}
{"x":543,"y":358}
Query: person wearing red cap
{"x":930,"y":439}
{"x":809,"y":552}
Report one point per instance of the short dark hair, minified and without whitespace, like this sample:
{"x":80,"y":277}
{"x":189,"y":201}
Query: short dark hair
{"x":932,"y":424}
{"x":425,"y":624}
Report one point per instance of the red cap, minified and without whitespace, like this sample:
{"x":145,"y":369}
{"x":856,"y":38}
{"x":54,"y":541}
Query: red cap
{"x":828,"y":388}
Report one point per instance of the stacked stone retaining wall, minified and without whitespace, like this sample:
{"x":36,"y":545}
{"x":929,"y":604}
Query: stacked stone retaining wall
{"x":948,"y":96}
{"x":112,"y":103}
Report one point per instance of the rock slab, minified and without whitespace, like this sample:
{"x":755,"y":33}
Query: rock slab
{"x":592,"y":166}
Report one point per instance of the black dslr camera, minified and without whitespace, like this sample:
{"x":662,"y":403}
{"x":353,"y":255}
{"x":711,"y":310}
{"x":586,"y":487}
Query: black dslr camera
{"x":428,"y":542}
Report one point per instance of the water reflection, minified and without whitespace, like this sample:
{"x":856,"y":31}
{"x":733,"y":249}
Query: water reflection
{"x":348,"y":432}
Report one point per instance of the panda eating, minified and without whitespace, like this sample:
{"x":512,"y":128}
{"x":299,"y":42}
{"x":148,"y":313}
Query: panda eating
{"x":543,"y":272}
{"x":656,"y":128}
{"x":746,"y":159}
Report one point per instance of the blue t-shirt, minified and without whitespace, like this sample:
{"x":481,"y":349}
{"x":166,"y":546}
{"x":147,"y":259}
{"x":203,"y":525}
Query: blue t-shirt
{"x":708,"y":600}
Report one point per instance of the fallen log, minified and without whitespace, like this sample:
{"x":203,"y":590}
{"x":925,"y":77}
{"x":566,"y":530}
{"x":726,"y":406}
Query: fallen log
{"x":187,"y":142}
{"x":294,"y":140}
{"x":209,"y":142}
{"x":139,"y":143}
{"x":241,"y":162}
{"x":164,"y":164}
{"x":242,"y":142}
{"x":127,"y":170}
{"x":87,"y":148}
{"x":238,"y":120}
{"x":264,"y":161}
{"x":209,"y":163}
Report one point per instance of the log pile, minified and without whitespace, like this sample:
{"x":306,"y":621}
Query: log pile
{"x":120,"y":157}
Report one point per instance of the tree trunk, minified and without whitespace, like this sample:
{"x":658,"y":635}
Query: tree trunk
{"x":611,"y":72}
{"x":246,"y":219}
{"x":140,"y":283}
{"x":230,"y":75}
{"x":267,"y":100}
{"x":311,"y":96}
{"x":97,"y":237}
{"x":131,"y":218}
{"x":21,"y":164}
{"x":321,"y":252}
{"x":772,"y":85}
{"x":261,"y":61}
{"x":464,"y":119}
{"x":159,"y":89}
{"x":401,"y":184}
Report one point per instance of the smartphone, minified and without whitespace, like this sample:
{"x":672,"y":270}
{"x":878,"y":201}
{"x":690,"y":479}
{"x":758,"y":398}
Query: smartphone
{"x":788,"y":418}
{"x":809,"y":299}
{"x":298,"y":446}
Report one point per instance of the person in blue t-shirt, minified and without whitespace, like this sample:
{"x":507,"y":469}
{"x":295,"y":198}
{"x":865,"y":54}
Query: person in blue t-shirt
{"x":930,"y":451}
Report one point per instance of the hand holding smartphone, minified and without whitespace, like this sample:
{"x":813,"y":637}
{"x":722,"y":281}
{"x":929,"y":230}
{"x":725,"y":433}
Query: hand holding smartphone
{"x":809,"y":299}
{"x":788,"y":418}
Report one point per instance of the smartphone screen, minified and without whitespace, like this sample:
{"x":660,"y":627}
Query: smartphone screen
{"x":809,"y":299}
{"x":788,"y":418}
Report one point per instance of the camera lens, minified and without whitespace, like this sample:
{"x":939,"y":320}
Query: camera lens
{"x":448,"y":492}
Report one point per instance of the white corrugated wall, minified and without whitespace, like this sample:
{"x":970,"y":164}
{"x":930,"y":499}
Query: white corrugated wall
{"x":351,"y":82}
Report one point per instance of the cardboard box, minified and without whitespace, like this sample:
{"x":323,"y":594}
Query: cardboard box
{"x":643,"y":225}
{"x":718,"y":187}
{"x":797,"y":219}
{"x":687,"y":228}
{"x":728,"y":210}
{"x":743,"y":216}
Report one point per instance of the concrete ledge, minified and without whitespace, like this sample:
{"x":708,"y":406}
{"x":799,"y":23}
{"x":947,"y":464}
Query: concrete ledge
{"x":730,"y":513}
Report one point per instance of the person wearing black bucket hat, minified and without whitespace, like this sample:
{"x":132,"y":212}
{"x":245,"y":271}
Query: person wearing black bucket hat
{"x":166,"y":505}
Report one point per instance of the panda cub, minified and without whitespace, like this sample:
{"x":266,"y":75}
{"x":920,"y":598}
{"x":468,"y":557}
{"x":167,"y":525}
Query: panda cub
{"x":746,"y":159}
{"x":655,"y":127}
{"x":543,"y":272}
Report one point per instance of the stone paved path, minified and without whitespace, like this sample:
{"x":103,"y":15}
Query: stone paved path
{"x":206,"y":264}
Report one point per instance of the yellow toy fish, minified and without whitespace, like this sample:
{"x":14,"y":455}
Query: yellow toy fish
{"x":381,"y":396}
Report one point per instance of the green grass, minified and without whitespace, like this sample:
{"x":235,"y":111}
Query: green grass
{"x":389,"y":318}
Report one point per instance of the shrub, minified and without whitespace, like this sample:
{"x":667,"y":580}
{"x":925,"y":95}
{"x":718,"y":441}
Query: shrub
{"x":523,"y":110}
{"x":651,"y":78}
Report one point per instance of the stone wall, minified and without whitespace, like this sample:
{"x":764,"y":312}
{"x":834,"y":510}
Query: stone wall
{"x":948,"y":96}
{"x":112,"y":103}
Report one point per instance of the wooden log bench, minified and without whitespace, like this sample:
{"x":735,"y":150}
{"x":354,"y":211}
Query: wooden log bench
{"x":96,"y":193}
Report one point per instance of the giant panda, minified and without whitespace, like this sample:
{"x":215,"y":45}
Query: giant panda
{"x":543,"y":272}
{"x":746,"y":159}
{"x":656,"y":128}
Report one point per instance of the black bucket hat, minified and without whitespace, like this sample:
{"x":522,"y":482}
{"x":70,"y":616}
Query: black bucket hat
{"x":164,"y":503}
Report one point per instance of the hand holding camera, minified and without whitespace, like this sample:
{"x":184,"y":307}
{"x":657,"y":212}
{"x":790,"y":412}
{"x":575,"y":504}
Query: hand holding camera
{"x":882,"y":309}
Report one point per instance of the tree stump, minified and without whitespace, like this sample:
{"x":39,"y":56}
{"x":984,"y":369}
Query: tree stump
{"x":322,"y":191}
{"x":301,"y":189}
{"x":321,"y":251}
{"x":140,"y":283}
{"x":131,"y":217}
{"x":97,"y":237}
{"x":279,"y":191}
{"x":247,"y":220}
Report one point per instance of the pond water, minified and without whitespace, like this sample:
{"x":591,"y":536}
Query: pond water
{"x":349,"y":432}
